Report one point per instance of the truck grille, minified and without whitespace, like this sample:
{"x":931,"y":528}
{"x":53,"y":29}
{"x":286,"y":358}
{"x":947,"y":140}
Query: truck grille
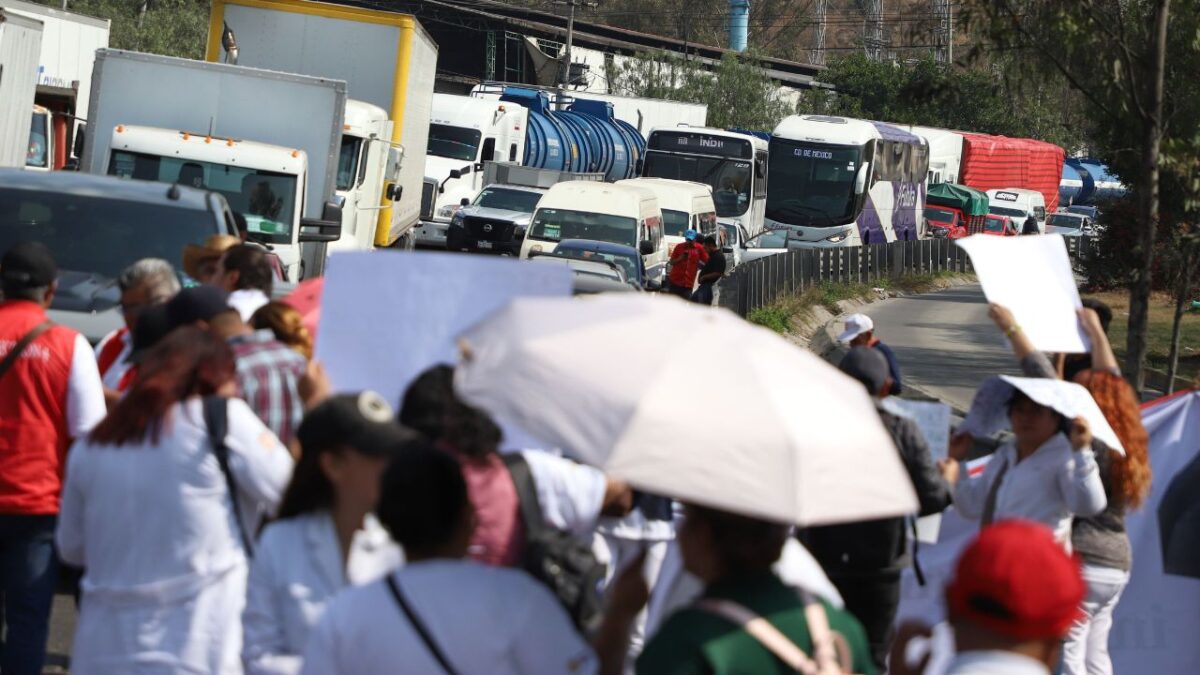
{"x":428,"y":194}
{"x":488,"y":229}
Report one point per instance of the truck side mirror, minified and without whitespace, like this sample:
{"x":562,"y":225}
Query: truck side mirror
{"x":395,"y":161}
{"x":466,"y":169}
{"x":455,"y":174}
{"x":646,"y":247}
{"x":327,"y":228}
{"x":394,"y":192}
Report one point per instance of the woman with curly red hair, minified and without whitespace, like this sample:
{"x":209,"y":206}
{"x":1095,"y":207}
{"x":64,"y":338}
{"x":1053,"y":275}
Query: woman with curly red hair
{"x":1100,"y":541}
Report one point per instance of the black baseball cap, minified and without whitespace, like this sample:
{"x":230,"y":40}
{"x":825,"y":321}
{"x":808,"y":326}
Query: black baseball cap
{"x":363,"y":421}
{"x":28,"y":264}
{"x":867,"y":365}
{"x":198,"y":303}
{"x":152,"y":326}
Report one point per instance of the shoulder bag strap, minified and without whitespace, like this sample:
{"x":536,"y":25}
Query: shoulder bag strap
{"x":418,"y":625}
{"x":829,"y":658}
{"x":527,"y":497}
{"x":763,"y":631}
{"x":989,"y":504}
{"x":26,"y":340}
{"x":216,"y":420}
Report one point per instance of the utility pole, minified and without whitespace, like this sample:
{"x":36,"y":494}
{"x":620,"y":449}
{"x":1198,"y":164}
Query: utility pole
{"x":943,"y":32}
{"x":817,"y":56}
{"x":873,"y":29}
{"x":564,"y":73}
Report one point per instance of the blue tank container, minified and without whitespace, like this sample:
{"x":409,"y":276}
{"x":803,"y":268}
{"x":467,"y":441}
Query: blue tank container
{"x":585,"y":138}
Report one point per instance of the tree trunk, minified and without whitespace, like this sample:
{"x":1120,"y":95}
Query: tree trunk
{"x":1139,"y":295}
{"x":1186,"y":275}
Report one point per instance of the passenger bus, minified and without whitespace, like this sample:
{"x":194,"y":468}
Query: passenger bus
{"x":837,"y":181}
{"x":734,"y":164}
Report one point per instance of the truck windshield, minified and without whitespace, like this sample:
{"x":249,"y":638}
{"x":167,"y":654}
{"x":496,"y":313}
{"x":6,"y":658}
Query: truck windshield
{"x":266,"y":198}
{"x":729,"y":178}
{"x":1003,"y":211}
{"x":94,"y":237}
{"x":675,"y":223}
{"x":994,"y":225}
{"x":559,"y":224}
{"x":508,"y":200}
{"x":347,"y":172}
{"x":1064,"y":221}
{"x":939,"y":215}
{"x":454,"y":142}
{"x":812,"y":184}
{"x":37,"y":155}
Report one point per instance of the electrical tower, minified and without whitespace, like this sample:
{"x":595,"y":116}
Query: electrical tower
{"x":817,"y":55}
{"x":943,"y":31}
{"x":873,"y":29}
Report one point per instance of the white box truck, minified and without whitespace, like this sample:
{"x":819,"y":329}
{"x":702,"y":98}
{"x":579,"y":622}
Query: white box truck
{"x":388,"y":62}
{"x":64,"y":80}
{"x":20,"y":41}
{"x":268,"y":141}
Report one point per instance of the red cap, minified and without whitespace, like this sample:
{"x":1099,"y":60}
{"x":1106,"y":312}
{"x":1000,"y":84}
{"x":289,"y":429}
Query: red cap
{"x":1017,"y":580}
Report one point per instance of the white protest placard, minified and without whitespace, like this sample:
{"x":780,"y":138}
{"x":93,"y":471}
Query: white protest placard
{"x":386,"y":316}
{"x":989,"y":410}
{"x":1032,"y":277}
{"x":933,"y":420}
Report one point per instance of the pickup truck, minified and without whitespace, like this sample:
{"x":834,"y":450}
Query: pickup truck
{"x":96,"y":226}
{"x":495,"y":222}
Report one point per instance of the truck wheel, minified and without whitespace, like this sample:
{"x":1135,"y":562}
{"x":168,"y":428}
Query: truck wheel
{"x":407,"y":242}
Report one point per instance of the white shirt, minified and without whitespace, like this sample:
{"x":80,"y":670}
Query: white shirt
{"x":296,"y":571}
{"x":112,"y":377}
{"x":570,"y":494}
{"x":995,"y":663}
{"x":484,"y":619}
{"x":152,"y":525}
{"x":85,"y":393}
{"x":1049,"y":486}
{"x":247,"y":301}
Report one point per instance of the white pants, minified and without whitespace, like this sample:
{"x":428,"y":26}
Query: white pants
{"x":1086,"y":648}
{"x":616,"y":551}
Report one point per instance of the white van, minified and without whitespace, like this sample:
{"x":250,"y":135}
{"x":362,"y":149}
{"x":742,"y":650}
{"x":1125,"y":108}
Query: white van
{"x":685,"y":205}
{"x":619,"y":214}
{"x":1020,"y":205}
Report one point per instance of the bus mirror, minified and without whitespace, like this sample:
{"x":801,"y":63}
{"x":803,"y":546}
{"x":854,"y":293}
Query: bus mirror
{"x":860,"y":181}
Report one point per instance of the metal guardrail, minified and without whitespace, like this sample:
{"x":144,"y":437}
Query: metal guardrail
{"x":761,"y":282}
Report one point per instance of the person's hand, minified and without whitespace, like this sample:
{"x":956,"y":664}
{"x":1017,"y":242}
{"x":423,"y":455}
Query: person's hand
{"x":618,"y":498}
{"x":628,"y":592}
{"x":314,"y":387}
{"x":1002,"y":317}
{"x":1090,"y":320}
{"x":898,"y":663}
{"x":1081,"y":434}
{"x":950,"y":470}
{"x":960,"y":445}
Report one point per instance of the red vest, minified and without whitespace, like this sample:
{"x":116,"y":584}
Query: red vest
{"x":33,"y":412}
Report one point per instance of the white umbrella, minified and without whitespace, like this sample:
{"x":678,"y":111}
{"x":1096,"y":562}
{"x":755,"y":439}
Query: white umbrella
{"x":688,"y":402}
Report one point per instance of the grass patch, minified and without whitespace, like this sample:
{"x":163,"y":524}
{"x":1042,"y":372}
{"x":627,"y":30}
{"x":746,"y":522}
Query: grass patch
{"x":776,"y":317}
{"x":1158,"y":332}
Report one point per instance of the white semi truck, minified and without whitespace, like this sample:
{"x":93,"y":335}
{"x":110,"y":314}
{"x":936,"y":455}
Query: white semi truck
{"x":388,"y":62}
{"x":268,"y":141}
{"x":20,"y":40}
{"x":64,"y":80}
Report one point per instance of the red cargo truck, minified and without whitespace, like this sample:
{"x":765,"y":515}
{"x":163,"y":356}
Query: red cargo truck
{"x":998,"y":162}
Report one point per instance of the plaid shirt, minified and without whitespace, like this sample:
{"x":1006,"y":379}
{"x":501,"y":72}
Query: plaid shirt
{"x":268,"y":373}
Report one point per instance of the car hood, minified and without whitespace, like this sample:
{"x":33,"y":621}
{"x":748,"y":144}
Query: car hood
{"x":515,"y":217}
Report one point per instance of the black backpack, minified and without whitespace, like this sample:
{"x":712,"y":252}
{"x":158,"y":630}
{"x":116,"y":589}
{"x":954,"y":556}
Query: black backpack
{"x":564,"y":564}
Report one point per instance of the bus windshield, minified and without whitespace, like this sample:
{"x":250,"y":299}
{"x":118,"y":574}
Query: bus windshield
{"x":729,"y":178}
{"x":559,"y":224}
{"x":266,"y":198}
{"x":454,"y":142}
{"x":812,"y":183}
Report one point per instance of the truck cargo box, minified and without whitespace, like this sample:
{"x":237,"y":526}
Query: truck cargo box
{"x":20,"y":43}
{"x":998,"y":162}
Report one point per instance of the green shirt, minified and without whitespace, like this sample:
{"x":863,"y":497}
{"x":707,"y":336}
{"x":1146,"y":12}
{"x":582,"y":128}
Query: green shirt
{"x":697,"y":641}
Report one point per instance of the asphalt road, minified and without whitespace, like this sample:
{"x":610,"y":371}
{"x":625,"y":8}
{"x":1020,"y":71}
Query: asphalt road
{"x":944,"y":341}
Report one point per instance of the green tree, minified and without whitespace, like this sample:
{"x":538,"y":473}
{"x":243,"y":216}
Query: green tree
{"x":171,"y":27}
{"x":737,"y":89}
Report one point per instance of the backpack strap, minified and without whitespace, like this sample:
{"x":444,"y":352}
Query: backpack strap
{"x":216,"y":420}
{"x":763,"y":631}
{"x":26,"y":340}
{"x":832,"y":654}
{"x":527,"y":497}
{"x":418,"y":625}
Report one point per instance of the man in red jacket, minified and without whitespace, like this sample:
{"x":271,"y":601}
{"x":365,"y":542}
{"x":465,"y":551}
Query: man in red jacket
{"x":50,"y":392}
{"x":686,"y":259}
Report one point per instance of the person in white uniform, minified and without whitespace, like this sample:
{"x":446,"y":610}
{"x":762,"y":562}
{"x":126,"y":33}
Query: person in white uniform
{"x":148,"y":512}
{"x":441,"y":613}
{"x":325,"y":537}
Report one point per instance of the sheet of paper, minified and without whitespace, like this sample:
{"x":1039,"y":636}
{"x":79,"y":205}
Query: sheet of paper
{"x":928,"y":528}
{"x":386,"y":316}
{"x":931,"y":417}
{"x":1071,"y":400}
{"x":1032,"y":277}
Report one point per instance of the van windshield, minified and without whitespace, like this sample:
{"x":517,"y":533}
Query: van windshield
{"x":1003,"y":211}
{"x":559,"y":224}
{"x":675,"y":223}
{"x":266,"y":198}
